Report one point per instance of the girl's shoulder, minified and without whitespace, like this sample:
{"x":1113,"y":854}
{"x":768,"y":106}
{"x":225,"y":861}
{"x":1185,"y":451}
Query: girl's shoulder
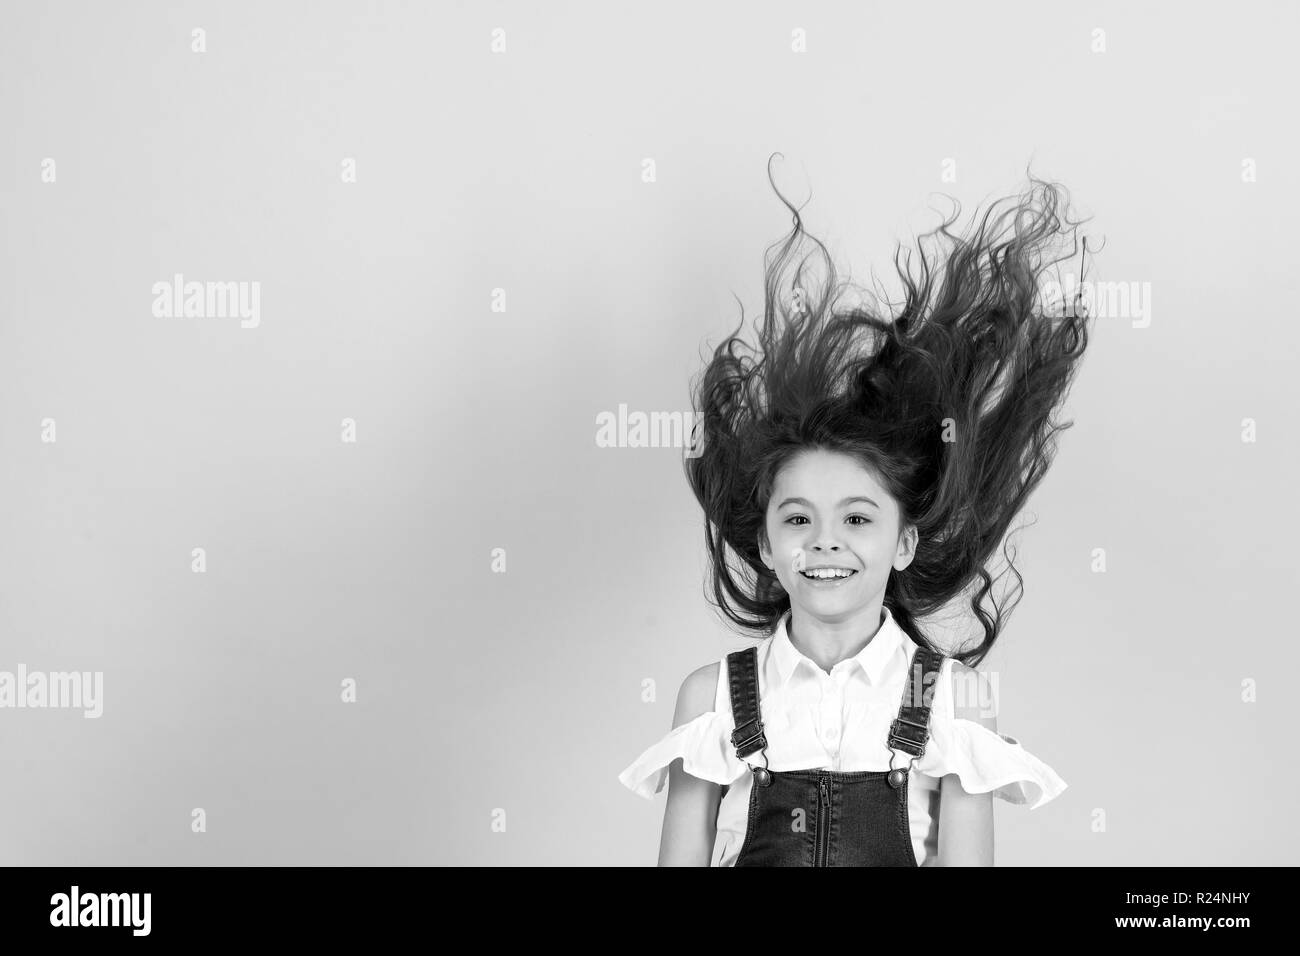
{"x":698,"y":694}
{"x":965,"y":742}
{"x":967,"y":694}
{"x":698,"y":737}
{"x":707,"y":688}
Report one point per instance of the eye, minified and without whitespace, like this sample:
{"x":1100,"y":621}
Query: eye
{"x":861,"y":519}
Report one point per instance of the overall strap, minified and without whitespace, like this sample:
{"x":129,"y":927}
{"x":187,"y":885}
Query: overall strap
{"x":742,"y":675}
{"x":911,"y":728}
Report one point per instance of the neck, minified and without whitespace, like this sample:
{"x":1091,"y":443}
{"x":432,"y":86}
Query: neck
{"x":826,"y":642}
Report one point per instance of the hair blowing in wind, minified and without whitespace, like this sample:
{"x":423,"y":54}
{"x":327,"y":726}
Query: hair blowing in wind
{"x":949,"y":398}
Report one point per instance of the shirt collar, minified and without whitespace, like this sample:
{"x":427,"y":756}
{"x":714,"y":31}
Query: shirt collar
{"x":872,"y":659}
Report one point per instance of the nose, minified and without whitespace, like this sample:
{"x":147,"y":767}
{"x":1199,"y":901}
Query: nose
{"x":824,"y":544}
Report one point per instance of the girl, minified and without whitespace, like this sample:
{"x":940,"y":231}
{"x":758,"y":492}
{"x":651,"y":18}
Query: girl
{"x":858,"y":470}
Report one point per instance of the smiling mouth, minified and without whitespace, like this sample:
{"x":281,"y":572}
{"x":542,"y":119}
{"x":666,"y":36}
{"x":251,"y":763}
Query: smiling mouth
{"x":828,"y":574}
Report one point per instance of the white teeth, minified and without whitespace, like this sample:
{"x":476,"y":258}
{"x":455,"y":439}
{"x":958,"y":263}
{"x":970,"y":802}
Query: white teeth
{"x":825,"y":574}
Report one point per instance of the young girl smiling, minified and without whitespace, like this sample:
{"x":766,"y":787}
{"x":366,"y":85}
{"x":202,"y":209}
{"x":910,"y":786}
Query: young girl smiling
{"x":859,"y":470}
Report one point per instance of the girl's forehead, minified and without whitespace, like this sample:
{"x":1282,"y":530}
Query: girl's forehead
{"x":826,"y":471}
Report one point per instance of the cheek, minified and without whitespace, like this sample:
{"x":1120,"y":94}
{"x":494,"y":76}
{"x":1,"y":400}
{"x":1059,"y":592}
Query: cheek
{"x":779,"y":534}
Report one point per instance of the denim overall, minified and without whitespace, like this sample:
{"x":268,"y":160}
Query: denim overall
{"x":825,"y":817}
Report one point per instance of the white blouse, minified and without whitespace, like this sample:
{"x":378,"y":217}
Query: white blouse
{"x":840,"y":721}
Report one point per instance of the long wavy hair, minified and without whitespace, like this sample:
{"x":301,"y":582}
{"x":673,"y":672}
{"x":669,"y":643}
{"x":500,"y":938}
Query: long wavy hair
{"x":948,"y":398}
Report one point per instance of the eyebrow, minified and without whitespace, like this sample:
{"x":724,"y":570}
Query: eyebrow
{"x":808,"y":504}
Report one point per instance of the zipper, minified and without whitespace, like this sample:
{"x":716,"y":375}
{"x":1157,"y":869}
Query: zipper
{"x":823,"y":841}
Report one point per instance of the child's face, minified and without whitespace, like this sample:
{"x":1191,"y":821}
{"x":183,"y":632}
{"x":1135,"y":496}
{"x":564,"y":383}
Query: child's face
{"x":833,"y":527}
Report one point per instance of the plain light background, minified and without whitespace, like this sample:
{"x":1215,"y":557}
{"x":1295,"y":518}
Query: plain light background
{"x":476,"y":171}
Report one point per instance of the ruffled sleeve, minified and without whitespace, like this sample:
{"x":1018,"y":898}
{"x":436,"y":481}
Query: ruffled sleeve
{"x":986,"y":761}
{"x":704,"y":744}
